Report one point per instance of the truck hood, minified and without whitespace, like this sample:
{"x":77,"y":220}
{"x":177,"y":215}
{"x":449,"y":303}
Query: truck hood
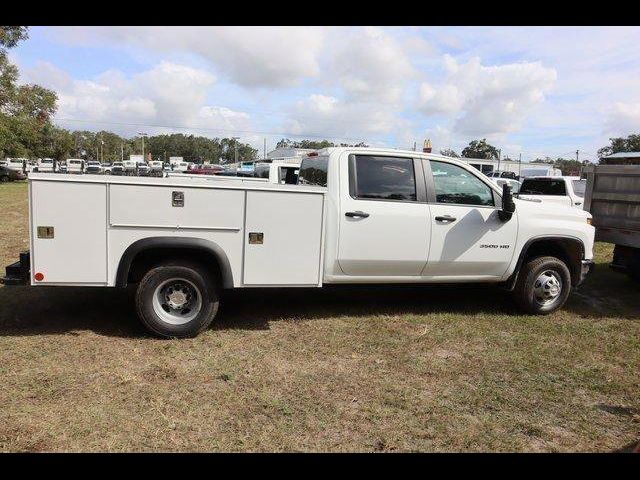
{"x":550,"y":210}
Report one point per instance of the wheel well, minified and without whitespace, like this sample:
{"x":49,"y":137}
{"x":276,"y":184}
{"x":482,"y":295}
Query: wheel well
{"x":147,"y":259}
{"x":569,"y":250}
{"x":143,"y":255}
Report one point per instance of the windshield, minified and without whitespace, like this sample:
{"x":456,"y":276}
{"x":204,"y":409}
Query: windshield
{"x":46,"y":160}
{"x":579,"y":187}
{"x":543,"y":186}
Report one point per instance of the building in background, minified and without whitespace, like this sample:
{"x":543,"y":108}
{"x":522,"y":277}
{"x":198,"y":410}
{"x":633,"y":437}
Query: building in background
{"x":622,"y":158}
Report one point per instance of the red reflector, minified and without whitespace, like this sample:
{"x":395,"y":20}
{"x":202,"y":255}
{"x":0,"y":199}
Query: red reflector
{"x":312,"y":154}
{"x":39,"y":277}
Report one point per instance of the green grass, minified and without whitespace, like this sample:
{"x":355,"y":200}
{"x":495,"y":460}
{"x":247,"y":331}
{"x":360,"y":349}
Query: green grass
{"x":357,"y":369}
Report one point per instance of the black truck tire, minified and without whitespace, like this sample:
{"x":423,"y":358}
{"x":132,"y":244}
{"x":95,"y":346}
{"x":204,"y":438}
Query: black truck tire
{"x":543,"y":285}
{"x":178,"y":299}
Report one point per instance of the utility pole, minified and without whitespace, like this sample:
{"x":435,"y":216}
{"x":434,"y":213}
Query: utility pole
{"x":414,"y":146}
{"x":519,"y":163}
{"x":235,"y":148}
{"x":142,"y":134}
{"x":121,"y":152}
{"x":577,"y":154}
{"x":264,"y":149}
{"x":499,"y":154}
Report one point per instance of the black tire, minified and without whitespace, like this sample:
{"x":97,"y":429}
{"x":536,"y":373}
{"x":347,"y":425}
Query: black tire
{"x":525,"y":293}
{"x":4,"y":179}
{"x":182,"y":273}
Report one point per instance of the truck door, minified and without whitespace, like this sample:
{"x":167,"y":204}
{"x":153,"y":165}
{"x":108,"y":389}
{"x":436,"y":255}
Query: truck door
{"x":384,"y":218}
{"x":467,"y":237}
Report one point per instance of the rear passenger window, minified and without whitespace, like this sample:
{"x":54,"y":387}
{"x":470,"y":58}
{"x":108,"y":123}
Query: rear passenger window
{"x":541,"y":186}
{"x":313,"y":171}
{"x":454,"y":184}
{"x":382,"y":178}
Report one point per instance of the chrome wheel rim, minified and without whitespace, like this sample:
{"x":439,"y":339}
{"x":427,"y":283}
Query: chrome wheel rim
{"x":177,"y":301}
{"x":547,"y":288}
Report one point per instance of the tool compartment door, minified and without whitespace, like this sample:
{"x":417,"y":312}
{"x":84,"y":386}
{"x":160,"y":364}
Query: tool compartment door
{"x":283,"y":238}
{"x":76,"y":252}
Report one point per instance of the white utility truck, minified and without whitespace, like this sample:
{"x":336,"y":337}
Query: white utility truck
{"x":356,"y":215}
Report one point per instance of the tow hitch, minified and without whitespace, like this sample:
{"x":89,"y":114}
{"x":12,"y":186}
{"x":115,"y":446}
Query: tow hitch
{"x":18,"y":273}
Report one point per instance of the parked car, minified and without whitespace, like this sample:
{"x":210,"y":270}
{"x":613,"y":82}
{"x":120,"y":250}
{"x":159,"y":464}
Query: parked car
{"x":357,"y":215}
{"x":155,"y":167}
{"x":117,"y":168}
{"x":142,"y":169}
{"x":18,"y":164}
{"x":502,"y":174}
{"x":206,"y":169}
{"x":93,"y":168}
{"x":559,"y":190}
{"x":44,"y":165}
{"x":75,"y":165}
{"x":9,"y":174}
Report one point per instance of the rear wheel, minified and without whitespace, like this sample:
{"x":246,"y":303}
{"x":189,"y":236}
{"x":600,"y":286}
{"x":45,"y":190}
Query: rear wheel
{"x":543,"y":285}
{"x":4,"y":178}
{"x":177,"y":300}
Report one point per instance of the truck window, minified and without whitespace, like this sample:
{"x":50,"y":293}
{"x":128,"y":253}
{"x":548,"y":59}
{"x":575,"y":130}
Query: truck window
{"x":313,"y":171}
{"x":454,"y":184}
{"x":383,"y":178}
{"x":579,"y":187}
{"x":261,"y":171}
{"x":543,"y":186}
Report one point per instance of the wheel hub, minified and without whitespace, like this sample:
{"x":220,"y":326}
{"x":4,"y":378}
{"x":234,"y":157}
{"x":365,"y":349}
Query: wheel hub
{"x":547,"y":287}
{"x":177,"y":301}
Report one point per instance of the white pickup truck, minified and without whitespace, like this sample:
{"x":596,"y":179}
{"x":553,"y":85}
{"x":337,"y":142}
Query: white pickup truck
{"x":356,"y":215}
{"x":557,"y":190}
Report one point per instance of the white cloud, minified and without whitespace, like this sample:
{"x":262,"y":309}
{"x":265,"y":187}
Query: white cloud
{"x":167,"y":95}
{"x":248,"y":56}
{"x":623,"y":119}
{"x":371,"y":65}
{"x":487,"y":100}
{"x":328,"y":116}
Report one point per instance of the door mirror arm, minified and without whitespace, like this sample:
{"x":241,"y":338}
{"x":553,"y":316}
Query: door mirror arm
{"x":508,"y":205}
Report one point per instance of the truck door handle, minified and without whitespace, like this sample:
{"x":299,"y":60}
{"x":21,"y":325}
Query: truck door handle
{"x":356,"y":214}
{"x":445,"y":218}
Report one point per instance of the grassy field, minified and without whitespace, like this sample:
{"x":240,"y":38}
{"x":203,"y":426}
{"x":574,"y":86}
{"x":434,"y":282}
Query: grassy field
{"x":359,"y":369}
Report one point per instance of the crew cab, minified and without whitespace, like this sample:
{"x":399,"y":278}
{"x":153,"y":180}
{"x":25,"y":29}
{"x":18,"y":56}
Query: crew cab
{"x":557,"y":190}
{"x":356,"y":215}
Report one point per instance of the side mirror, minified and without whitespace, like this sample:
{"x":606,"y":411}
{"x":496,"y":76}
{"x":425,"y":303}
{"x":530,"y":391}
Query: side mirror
{"x":508,"y":205}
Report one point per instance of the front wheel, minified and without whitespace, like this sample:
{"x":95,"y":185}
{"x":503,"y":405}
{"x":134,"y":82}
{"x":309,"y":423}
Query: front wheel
{"x":543,"y":285}
{"x":177,"y":300}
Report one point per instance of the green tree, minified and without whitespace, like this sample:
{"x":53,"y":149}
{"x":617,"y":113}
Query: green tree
{"x":480,"y":149}
{"x":620,"y":144}
{"x":447,"y":152}
{"x":25,"y":110}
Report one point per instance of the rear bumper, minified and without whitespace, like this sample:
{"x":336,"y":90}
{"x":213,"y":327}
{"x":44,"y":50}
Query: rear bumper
{"x":18,"y":273}
{"x":586,"y":268}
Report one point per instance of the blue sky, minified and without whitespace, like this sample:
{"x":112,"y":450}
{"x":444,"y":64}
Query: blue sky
{"x":534,"y":91}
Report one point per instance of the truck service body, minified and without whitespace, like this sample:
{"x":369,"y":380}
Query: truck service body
{"x":357,"y":215}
